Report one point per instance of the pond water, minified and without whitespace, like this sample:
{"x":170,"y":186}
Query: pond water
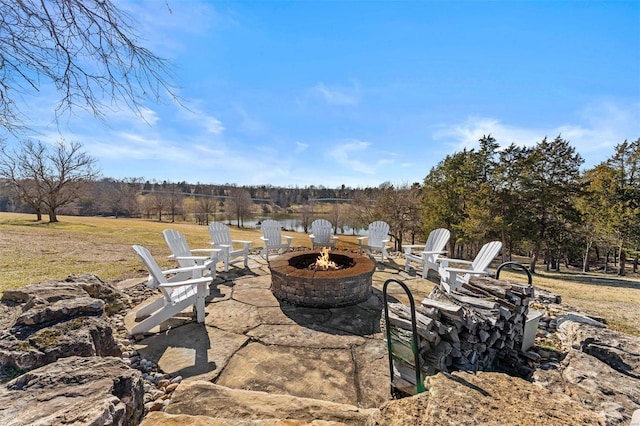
{"x":294,"y":224}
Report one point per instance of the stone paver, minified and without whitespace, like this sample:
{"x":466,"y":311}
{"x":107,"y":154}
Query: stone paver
{"x":193,"y":351}
{"x":354,"y":320}
{"x":297,"y":336}
{"x":251,"y":341}
{"x":305,"y":372}
{"x":238,"y":406}
{"x":372,"y":373}
{"x":256,"y":296}
{"x":288,"y":314}
{"x":232,"y":316}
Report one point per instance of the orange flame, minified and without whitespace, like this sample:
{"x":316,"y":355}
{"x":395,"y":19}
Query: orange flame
{"x":323,"y":263}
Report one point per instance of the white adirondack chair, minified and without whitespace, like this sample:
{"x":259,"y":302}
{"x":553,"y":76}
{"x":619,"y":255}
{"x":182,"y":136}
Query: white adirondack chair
{"x":321,"y":234}
{"x":176,"y":296}
{"x":231,"y":250}
{"x":187,"y":257}
{"x":426,"y":255}
{"x":377,"y":239}
{"x":272,"y":237}
{"x":452,"y":278}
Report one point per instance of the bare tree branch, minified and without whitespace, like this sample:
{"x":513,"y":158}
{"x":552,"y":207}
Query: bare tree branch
{"x":88,"y":49}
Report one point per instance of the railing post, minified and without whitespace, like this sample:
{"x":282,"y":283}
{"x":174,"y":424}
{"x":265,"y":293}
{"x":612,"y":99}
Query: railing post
{"x":414,"y":340}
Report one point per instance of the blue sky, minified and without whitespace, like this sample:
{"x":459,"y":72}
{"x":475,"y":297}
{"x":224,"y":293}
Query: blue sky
{"x":363,"y":92}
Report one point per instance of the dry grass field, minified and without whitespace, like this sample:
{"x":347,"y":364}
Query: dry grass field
{"x":33,"y":251}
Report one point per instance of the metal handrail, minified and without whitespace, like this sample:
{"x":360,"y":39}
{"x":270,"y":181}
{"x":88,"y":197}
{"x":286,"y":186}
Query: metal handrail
{"x":414,"y":341}
{"x":520,"y":265}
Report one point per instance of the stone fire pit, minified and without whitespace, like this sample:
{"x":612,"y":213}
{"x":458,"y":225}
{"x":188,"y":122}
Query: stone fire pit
{"x":293,"y":282}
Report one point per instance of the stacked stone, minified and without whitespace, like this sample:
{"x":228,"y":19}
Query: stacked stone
{"x":467,"y":330}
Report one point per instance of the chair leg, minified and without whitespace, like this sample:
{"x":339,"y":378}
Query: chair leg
{"x":161,"y":316}
{"x":150,"y":308}
{"x":200,"y":299}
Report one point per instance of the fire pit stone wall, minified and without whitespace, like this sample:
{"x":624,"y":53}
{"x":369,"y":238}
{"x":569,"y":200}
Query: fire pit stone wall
{"x":321,"y":289}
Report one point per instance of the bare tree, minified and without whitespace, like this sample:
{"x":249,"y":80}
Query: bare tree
{"x":400,"y":207}
{"x":175,"y":201}
{"x":240,"y":203}
{"x":159,"y":202}
{"x":45,"y":177}
{"x":119,"y":196}
{"x":335,"y":216}
{"x":306,"y":212}
{"x":146,"y":204}
{"x":88,"y":49}
{"x":205,"y":206}
{"x":361,"y":211}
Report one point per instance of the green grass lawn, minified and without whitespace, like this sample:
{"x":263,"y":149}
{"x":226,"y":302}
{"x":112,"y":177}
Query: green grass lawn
{"x":32,"y":252}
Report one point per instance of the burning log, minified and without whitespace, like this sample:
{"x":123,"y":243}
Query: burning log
{"x":324,"y":263}
{"x":474,"y":328}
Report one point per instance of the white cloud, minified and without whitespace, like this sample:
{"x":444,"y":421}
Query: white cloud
{"x":346,"y":153}
{"x":301,"y":147}
{"x":156,"y":20}
{"x":208,"y":122}
{"x":467,"y":134}
{"x":149,"y":115}
{"x":335,"y":96}
{"x":599,"y":127}
{"x":249,"y":124}
{"x":213,"y":125}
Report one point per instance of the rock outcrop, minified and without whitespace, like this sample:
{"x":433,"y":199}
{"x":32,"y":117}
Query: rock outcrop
{"x":484,"y":399}
{"x":591,"y":378}
{"x":52,"y":320}
{"x":601,"y":369}
{"x":75,"y":390}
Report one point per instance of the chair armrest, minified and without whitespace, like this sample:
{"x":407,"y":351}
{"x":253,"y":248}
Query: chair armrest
{"x":241,"y":241}
{"x":385,"y":241}
{"x":245,"y":243}
{"x":187,"y":282}
{"x":206,"y":251}
{"x":457,"y":270}
{"x":223,"y":246}
{"x":288,"y":237}
{"x":448,"y":259}
{"x":408,"y":248}
{"x":335,"y":237}
{"x":434,"y":252}
{"x":361,"y":239}
{"x":183,"y":269}
{"x":189,"y":257}
{"x":467,"y":271}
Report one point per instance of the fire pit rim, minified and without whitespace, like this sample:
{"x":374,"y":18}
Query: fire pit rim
{"x":320,"y":288}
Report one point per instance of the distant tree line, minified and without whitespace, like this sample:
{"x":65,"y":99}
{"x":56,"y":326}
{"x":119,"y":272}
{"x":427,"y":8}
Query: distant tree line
{"x":536,"y":200}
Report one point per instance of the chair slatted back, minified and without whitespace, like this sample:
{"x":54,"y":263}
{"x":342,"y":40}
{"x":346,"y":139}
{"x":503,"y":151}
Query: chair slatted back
{"x":437,"y":240}
{"x":220,"y":234}
{"x":378,"y":232}
{"x":178,"y":245}
{"x":321,"y":229}
{"x":272,"y":230}
{"x":486,"y":254}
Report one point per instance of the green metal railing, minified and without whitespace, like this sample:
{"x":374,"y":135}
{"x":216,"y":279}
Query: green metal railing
{"x":414,"y":340}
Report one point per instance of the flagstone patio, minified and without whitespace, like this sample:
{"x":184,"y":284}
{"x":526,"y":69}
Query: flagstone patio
{"x":251,"y":341}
